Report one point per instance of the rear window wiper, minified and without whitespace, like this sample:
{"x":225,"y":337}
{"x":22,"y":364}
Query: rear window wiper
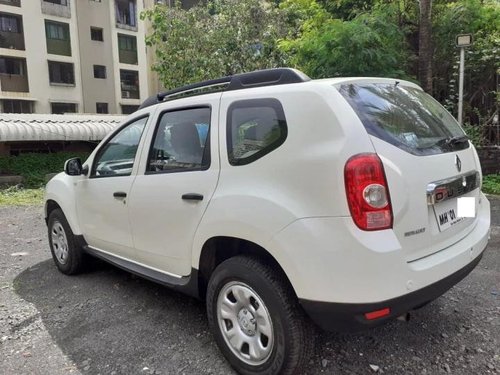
{"x":447,"y":142}
{"x":452,"y":141}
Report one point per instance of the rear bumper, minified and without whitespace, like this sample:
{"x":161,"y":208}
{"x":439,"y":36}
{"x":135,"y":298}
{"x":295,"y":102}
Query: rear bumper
{"x":349,"y":317}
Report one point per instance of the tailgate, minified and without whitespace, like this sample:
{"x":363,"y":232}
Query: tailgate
{"x":424,"y":193}
{"x":429,"y":163}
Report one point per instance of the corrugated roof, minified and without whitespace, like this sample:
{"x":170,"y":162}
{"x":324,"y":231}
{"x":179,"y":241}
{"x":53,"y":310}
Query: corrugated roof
{"x":42,"y":127}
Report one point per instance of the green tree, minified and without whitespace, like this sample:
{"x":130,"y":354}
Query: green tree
{"x":482,"y":59}
{"x":425,"y":45}
{"x":214,"y":39}
{"x":370,"y":44}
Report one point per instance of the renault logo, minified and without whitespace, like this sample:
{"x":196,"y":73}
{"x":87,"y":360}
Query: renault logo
{"x":458,"y":163}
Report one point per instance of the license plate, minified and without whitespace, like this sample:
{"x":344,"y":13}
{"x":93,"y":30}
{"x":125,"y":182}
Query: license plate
{"x":446,"y":214}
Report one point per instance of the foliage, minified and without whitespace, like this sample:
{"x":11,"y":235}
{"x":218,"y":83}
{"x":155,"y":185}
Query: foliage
{"x":346,"y":9}
{"x":34,"y":167}
{"x":491,"y":184}
{"x":214,"y":39}
{"x":21,"y":197}
{"x":482,"y":60}
{"x":328,"y":38}
{"x":474,"y":133}
{"x":371,"y":44}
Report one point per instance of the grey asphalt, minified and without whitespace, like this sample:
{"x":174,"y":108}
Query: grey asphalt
{"x":107,"y":321}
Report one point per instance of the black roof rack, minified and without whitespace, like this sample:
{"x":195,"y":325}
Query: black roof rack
{"x":258,"y":78}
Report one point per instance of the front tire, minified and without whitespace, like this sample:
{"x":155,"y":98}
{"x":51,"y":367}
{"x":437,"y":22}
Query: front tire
{"x":256,"y":319}
{"x":66,"y":253}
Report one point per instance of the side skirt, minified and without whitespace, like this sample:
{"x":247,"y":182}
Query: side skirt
{"x":186,"y":284}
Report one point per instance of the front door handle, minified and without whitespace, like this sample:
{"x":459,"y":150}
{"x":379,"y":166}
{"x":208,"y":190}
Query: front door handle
{"x":119,"y":194}
{"x":192,"y":197}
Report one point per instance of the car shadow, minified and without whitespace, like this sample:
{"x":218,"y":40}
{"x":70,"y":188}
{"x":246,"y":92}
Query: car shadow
{"x":108,"y":321}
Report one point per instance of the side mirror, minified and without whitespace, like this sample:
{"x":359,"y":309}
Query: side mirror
{"x":73,"y":167}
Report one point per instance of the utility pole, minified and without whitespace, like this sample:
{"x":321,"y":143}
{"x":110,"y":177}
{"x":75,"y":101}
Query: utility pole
{"x":463,"y":40}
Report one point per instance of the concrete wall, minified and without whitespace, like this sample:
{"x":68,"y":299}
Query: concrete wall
{"x":141,"y":67}
{"x":95,"y":90}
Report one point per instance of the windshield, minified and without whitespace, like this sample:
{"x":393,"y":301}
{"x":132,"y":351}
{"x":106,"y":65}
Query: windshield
{"x":406,"y":117}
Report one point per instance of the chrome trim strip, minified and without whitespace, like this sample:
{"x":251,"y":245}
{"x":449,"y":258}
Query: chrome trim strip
{"x":439,"y":191}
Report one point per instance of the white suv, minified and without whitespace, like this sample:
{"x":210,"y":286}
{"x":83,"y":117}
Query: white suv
{"x":280,"y":200}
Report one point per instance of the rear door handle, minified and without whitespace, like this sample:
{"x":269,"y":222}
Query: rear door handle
{"x":192,"y":197}
{"x":119,"y":194}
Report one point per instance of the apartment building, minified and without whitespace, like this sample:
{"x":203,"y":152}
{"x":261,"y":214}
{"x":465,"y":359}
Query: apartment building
{"x":72,"y":56}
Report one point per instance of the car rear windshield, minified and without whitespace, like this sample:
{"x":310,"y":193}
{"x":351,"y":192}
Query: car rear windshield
{"x":405,"y":117}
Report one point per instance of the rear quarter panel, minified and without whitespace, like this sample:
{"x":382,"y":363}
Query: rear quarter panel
{"x":302,"y":178}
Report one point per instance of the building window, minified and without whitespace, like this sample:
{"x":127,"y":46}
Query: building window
{"x":127,"y":49}
{"x":13,"y":75}
{"x":10,"y":23}
{"x":128,"y":109}
{"x":58,"y":39}
{"x":99,"y":71}
{"x":61,"y":108}
{"x":126,"y":13}
{"x":57,"y":30}
{"x":129,"y":81}
{"x":15,"y":3}
{"x":17,"y":106}
{"x":12,"y":66}
{"x":96,"y":34}
{"x":11,"y":31}
{"x":58,"y":2}
{"x":61,"y":73}
{"x":101,"y":108}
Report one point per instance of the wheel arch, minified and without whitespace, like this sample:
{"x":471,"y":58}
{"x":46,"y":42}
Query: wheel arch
{"x":217,"y":249}
{"x":60,"y":194}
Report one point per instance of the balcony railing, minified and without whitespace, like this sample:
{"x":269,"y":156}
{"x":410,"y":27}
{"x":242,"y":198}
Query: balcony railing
{"x":56,"y":9}
{"x":128,"y":57}
{"x":130,"y":92}
{"x":14,"y":83}
{"x":59,"y":47}
{"x":11,"y":40}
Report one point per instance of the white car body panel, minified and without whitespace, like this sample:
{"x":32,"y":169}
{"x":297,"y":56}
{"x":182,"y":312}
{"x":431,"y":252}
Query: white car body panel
{"x":61,"y":190}
{"x":331,"y":260}
{"x":162,"y":223}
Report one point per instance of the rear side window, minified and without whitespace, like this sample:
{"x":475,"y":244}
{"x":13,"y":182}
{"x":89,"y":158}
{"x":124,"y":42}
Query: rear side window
{"x":405,"y":117}
{"x":181,"y":141}
{"x":254,"y":128}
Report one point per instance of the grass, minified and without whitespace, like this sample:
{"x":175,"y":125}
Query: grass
{"x":15,"y":196}
{"x":491,"y":184}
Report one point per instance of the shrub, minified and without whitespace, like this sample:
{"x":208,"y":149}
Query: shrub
{"x":491,"y":184}
{"x":34,"y":167}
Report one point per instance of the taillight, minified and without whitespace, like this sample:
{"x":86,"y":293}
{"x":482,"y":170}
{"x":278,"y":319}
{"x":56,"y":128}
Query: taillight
{"x":367,"y":192}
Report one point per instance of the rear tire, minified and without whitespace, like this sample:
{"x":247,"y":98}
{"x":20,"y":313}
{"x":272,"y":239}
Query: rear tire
{"x":256,"y":319}
{"x":66,"y":253}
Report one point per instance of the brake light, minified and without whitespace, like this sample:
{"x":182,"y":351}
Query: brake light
{"x":367,"y":192}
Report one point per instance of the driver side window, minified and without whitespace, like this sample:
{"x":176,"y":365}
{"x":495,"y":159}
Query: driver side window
{"x":116,"y":157}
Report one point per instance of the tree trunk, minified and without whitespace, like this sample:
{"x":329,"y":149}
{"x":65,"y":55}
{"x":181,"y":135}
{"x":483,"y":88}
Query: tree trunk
{"x":425,"y":46}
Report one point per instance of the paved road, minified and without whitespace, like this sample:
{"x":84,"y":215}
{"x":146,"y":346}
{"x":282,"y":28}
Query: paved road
{"x":107,"y":321}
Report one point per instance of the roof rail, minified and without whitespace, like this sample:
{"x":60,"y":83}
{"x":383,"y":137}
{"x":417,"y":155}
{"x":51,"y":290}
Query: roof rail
{"x":258,"y":78}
